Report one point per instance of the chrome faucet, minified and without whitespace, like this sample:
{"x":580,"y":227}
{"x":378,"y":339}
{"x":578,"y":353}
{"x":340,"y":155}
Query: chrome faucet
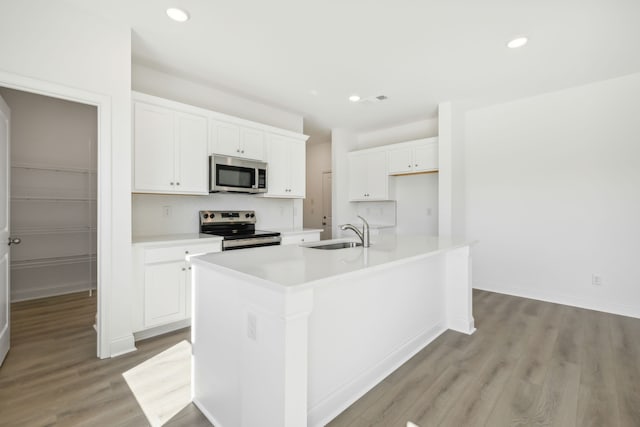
{"x":363,"y":235}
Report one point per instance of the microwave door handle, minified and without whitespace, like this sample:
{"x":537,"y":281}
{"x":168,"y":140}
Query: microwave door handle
{"x":255,"y":178}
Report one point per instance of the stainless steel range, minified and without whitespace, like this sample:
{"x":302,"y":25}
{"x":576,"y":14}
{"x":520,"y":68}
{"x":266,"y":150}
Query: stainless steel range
{"x":237,"y":228}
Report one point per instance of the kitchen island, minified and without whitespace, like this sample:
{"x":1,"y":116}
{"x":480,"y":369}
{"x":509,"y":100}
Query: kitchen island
{"x":290,"y":336}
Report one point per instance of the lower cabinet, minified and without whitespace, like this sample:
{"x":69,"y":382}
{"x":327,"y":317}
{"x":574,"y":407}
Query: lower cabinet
{"x":295,"y":238}
{"x":162,"y":280}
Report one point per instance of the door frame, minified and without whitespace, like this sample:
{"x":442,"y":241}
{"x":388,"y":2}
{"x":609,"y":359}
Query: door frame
{"x":103,"y":194}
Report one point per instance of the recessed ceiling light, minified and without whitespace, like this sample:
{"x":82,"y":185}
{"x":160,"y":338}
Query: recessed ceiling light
{"x":517,"y":42}
{"x":354,"y":98}
{"x":178,"y":15}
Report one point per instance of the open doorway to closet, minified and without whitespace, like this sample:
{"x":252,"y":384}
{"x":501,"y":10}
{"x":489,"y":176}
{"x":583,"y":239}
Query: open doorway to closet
{"x":53,"y":212}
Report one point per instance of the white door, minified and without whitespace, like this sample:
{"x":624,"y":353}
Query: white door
{"x":326,"y":206}
{"x":4,"y":230}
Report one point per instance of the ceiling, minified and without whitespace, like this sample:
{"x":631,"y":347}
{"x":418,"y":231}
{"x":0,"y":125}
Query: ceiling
{"x":416,"y":52}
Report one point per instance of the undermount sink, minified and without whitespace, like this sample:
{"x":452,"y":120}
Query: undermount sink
{"x":339,"y":245}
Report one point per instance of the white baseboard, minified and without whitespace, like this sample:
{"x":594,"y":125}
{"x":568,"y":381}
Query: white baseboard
{"x":564,"y":299}
{"x":335,"y":403}
{"x":159,"y":330}
{"x":52,"y":291}
{"x":122,"y":345}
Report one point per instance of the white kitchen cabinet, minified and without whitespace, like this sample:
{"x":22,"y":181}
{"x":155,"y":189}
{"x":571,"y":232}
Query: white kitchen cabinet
{"x":238,"y":141}
{"x":293,"y":238}
{"x":414,"y":156}
{"x":169,"y":151}
{"x":162,"y":291}
{"x":286,"y":175}
{"x":368,"y":177}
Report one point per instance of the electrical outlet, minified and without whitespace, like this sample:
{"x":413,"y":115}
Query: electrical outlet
{"x":596,"y":280}
{"x":252,"y":331}
{"x":166,"y":211}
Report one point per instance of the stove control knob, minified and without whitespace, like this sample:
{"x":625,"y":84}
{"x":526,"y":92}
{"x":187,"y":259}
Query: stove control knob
{"x":206,"y":216}
{"x":252,"y":215}
{"x":212,"y":215}
{"x":247,"y":215}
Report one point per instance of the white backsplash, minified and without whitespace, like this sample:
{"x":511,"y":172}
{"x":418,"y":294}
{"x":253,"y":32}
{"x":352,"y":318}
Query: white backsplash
{"x":156,"y":214}
{"x":377,"y":213}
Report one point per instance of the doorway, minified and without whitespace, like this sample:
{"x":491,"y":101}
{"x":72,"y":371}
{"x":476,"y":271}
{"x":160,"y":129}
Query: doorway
{"x":317,"y":204}
{"x":53,"y":199}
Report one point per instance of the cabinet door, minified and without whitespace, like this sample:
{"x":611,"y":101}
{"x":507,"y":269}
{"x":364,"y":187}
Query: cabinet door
{"x":225,"y":139}
{"x":278,"y":172}
{"x":191,"y":156}
{"x":401,"y":160}
{"x":164,"y":293}
{"x":377,"y":176}
{"x":252,"y":144}
{"x":357,"y":176}
{"x":153,"y":148}
{"x":297,"y":167}
{"x":425,"y":157}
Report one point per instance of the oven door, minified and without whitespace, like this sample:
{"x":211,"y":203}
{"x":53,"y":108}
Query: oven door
{"x":251,"y":242}
{"x":232,"y":174}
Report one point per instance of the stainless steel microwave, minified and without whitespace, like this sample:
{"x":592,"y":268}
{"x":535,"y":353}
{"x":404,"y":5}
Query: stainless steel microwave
{"x":233,"y":174}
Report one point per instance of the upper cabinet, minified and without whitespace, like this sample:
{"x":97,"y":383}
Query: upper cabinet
{"x":369,"y":169}
{"x":414,"y":156}
{"x":172,"y":143}
{"x":169,"y":150}
{"x":368,"y":177}
{"x":238,"y":141}
{"x":286,"y":159}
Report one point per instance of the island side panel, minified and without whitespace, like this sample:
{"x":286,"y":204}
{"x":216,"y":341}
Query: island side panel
{"x":459,"y":291}
{"x":250,"y":351}
{"x":364,"y":326}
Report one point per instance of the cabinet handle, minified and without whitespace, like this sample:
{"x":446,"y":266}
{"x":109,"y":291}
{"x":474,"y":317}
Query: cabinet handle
{"x":242,"y":151}
{"x":238,"y":150}
{"x":189,"y":268}
{"x":416,"y":165}
{"x":177,"y":183}
{"x":171,"y":183}
{"x":183,"y":269}
{"x":186,"y":252}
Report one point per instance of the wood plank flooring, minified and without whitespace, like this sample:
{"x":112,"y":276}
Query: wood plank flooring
{"x":529,"y":363}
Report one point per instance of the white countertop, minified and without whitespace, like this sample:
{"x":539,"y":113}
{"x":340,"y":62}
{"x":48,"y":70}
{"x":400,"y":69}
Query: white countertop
{"x":297,"y":266}
{"x":175,"y":238}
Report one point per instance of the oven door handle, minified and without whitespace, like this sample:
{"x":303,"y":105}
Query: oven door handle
{"x":252,"y":241}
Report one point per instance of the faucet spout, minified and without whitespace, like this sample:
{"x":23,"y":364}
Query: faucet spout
{"x":363,"y":235}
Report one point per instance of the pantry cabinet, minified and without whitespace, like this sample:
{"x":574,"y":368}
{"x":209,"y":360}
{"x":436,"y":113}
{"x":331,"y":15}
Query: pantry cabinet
{"x":169,"y":150}
{"x":162,"y":291}
{"x":286,"y":176}
{"x":414,"y":156}
{"x":368,"y":177}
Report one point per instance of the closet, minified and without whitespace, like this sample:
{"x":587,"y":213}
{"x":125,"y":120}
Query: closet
{"x":53,"y":195}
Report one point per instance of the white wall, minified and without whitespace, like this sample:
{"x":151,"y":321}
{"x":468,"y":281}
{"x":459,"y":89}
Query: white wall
{"x":149,"y":219}
{"x":54,"y":42}
{"x":154,"y":82}
{"x":553,"y":196}
{"x":406,"y":132}
{"x":318,"y":162}
{"x":342,"y":141}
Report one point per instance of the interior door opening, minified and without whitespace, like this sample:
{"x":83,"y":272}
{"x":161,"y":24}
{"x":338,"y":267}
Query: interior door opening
{"x":52,"y":211}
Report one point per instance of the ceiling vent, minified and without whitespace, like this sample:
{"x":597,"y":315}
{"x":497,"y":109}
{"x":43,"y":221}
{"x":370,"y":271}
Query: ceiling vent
{"x":373,"y":99}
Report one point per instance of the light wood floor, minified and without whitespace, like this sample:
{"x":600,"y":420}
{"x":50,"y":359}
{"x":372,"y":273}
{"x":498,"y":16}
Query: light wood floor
{"x":529,"y":363}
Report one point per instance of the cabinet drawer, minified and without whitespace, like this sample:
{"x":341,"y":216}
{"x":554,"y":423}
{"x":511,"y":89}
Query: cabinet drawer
{"x":177,"y":253}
